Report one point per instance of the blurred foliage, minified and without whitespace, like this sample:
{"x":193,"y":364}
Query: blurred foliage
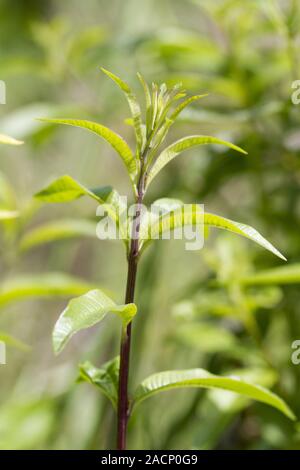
{"x":229,"y":307}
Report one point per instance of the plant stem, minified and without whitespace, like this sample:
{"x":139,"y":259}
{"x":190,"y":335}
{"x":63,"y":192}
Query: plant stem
{"x":123,"y":402}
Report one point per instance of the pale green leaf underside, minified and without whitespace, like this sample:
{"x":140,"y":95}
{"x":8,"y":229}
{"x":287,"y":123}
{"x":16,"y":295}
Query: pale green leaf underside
{"x":169,"y":380}
{"x":180,"y":146}
{"x":115,"y":140}
{"x":6,"y":139}
{"x":42,"y":285}
{"x":57,"y":230}
{"x":282,"y":275}
{"x":193,"y":215}
{"x":84,"y":312}
{"x":106,"y":378}
{"x":133,"y":106}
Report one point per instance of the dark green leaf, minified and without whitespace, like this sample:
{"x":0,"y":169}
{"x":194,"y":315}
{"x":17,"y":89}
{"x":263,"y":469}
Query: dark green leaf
{"x":105,"y":378}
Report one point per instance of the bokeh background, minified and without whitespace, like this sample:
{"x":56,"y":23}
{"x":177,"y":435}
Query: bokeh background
{"x":217,"y":308}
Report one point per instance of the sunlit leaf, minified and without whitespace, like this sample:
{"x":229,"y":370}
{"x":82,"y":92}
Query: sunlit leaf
{"x":169,"y":380}
{"x":41,"y":285}
{"x":57,"y":230}
{"x":84,"y":312}
{"x":5,"y":215}
{"x":106,"y":378}
{"x":168,"y":215}
{"x":241,"y":229}
{"x":147,"y":100}
{"x":66,"y":189}
{"x":180,"y":146}
{"x":116,"y":141}
{"x":192,"y":214}
{"x":133,"y":105}
{"x":184,"y":104}
{"x":220,"y":408}
{"x":5,"y":139}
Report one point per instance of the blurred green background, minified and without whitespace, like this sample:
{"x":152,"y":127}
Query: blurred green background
{"x":218,"y":308}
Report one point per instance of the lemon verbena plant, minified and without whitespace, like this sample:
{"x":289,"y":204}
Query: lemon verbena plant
{"x":162,"y":107}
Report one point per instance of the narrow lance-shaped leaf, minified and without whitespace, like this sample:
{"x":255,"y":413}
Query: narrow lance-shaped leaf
{"x":241,"y":229}
{"x":84,"y":312}
{"x":42,"y":285}
{"x":180,"y":146}
{"x":162,"y":132}
{"x":6,"y":139}
{"x":192,"y":214}
{"x":116,"y":141}
{"x":133,"y":105}
{"x":66,"y":189}
{"x":148,"y":102}
{"x":57,"y":230}
{"x":106,"y":378}
{"x":281,"y":275}
{"x":154,"y":104}
{"x":185,"y":103}
{"x":169,"y":380}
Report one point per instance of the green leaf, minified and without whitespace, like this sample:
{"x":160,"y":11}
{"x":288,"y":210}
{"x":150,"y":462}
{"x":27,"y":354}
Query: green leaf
{"x":57,"y":230}
{"x":193,"y":215}
{"x":281,"y":275}
{"x":5,"y":214}
{"x":180,"y":146}
{"x":5,"y":139}
{"x":172,"y":216}
{"x":134,"y":108}
{"x":169,"y":380}
{"x":184,"y":104}
{"x":148,"y":102}
{"x":116,"y":141}
{"x":66,"y":189}
{"x":247,"y":231}
{"x":84,"y":312}
{"x":42,"y":285}
{"x":105,"y":378}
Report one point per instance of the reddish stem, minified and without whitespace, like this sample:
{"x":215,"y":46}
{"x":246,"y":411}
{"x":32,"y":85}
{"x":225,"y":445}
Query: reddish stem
{"x":123,"y":402}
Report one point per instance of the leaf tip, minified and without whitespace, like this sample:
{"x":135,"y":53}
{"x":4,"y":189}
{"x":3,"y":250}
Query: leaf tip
{"x":282,"y":257}
{"x":107,"y":72}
